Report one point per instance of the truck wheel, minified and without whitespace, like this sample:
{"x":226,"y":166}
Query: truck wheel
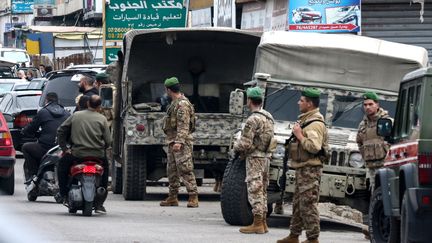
{"x":88,"y":208}
{"x":382,"y":229}
{"x":404,"y":221}
{"x":116,"y":181}
{"x":134,"y":172}
{"x":236,"y":209}
{"x":7,"y":185}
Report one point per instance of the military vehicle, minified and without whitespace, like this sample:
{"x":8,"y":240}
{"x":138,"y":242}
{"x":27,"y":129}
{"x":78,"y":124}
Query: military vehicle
{"x":210,"y":63}
{"x":401,"y":205}
{"x":342,"y":67}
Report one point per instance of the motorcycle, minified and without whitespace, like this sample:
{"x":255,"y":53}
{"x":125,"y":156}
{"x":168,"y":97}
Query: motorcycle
{"x":85,"y":191}
{"x":45,"y":182}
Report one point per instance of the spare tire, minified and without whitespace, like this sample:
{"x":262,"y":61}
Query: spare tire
{"x":235,"y":206}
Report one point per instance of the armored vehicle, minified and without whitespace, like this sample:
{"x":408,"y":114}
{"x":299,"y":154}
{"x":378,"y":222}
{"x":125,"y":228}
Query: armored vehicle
{"x":342,"y":67}
{"x":401,"y":205}
{"x":210,"y":63}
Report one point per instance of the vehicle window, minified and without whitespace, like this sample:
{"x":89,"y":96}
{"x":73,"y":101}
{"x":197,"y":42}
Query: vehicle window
{"x":348,"y":110}
{"x":17,"y":56}
{"x":21,"y":86}
{"x":66,"y":90}
{"x":28,"y":101}
{"x":417,"y":104}
{"x":282,"y":103}
{"x":33,"y":85}
{"x":401,"y":113}
{"x":5,"y":103}
{"x":6,"y":87}
{"x":6,"y":72}
{"x":409,"y":112}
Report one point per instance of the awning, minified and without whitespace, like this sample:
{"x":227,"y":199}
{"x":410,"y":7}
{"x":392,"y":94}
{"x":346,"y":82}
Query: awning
{"x":69,"y":32}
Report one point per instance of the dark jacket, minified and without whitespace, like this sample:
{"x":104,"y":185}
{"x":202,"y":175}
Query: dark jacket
{"x":49,"y":118}
{"x":91,"y":92}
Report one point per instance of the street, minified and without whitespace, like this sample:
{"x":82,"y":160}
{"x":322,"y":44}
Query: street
{"x":142,"y":221}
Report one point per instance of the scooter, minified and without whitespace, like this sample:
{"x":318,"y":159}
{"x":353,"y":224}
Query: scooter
{"x":45,"y":182}
{"x":85,"y":190}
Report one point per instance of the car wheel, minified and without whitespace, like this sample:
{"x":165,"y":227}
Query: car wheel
{"x":382,"y":229}
{"x":404,"y":221}
{"x":7,"y":185}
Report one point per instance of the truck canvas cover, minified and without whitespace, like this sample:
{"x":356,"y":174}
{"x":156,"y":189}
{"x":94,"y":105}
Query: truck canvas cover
{"x":342,"y":59}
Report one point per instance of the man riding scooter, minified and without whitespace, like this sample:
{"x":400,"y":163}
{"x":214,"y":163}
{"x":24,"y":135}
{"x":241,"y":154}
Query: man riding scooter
{"x":48,"y":119}
{"x":89,"y":137}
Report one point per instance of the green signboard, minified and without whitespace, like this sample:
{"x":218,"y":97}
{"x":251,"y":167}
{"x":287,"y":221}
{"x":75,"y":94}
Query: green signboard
{"x":111,"y":54}
{"x":122,"y":16}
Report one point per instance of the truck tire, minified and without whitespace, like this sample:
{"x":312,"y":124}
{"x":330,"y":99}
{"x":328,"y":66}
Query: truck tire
{"x":134,"y":172}
{"x":7,"y":185}
{"x":117,"y":179}
{"x":382,"y":229}
{"x":235,"y":206}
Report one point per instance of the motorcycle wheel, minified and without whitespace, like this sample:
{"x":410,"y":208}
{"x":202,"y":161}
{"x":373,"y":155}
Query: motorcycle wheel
{"x":88,"y":208}
{"x":31,"y":197}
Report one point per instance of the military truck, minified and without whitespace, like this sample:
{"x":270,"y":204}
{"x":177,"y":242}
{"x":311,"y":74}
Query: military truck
{"x":210,"y":63}
{"x":401,"y":205}
{"x":342,"y":67}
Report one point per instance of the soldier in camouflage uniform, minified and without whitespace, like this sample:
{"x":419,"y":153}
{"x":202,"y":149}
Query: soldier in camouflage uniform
{"x":256,"y":145}
{"x":311,"y":139}
{"x":179,"y":123}
{"x":372,"y":147}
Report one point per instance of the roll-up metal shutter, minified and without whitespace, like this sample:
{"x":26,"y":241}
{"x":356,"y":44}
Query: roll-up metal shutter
{"x":398,"y":21}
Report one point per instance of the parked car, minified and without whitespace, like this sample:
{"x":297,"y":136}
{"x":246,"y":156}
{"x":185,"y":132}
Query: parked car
{"x":65,"y":84}
{"x":7,"y":159}
{"x":19,"y":108}
{"x":306,"y":15}
{"x":401,"y":205}
{"x":7,"y":69}
{"x":16,"y":55}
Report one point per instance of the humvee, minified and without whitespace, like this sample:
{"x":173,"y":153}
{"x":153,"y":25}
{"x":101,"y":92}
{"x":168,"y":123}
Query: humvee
{"x":210,"y":63}
{"x":401,"y":205}
{"x":342,"y":67}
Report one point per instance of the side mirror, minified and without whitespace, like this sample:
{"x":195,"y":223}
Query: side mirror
{"x":106,"y":94}
{"x":236,"y":102}
{"x":384,"y":127}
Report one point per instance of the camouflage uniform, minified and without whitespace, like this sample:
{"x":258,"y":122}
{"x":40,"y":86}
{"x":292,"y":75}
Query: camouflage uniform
{"x":308,"y":166}
{"x":373,"y":148}
{"x":256,"y":145}
{"x":177,"y":125}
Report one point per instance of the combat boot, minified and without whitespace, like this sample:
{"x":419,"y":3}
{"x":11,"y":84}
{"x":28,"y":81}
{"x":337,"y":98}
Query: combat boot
{"x":193,"y":201}
{"x":311,"y":241}
{"x":289,"y":239}
{"x":279,"y":208}
{"x":265,"y":223}
{"x":257,"y":227}
{"x":170,"y":201}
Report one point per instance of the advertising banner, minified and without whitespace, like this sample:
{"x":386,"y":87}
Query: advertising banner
{"x":224,"y":12}
{"x":324,"y":15}
{"x":122,"y":16}
{"x":44,"y":2}
{"x":22,"y":6}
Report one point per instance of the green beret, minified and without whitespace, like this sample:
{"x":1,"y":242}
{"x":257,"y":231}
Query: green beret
{"x":254,"y":93}
{"x":171,"y":81}
{"x":101,"y":76}
{"x":311,"y":93}
{"x":370,"y":96}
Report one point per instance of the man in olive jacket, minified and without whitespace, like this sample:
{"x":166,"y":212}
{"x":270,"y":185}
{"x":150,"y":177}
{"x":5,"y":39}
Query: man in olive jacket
{"x":89,"y":137}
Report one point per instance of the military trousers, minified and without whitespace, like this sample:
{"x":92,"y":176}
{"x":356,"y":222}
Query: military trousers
{"x":257,"y":181}
{"x":305,"y":202}
{"x":180,"y":166}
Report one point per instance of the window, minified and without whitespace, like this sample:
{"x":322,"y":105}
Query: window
{"x":282,"y":103}
{"x":17,"y":56}
{"x":408,"y":110}
{"x":66,"y":90}
{"x":6,"y":87}
{"x":28,"y":101}
{"x":5,"y":103}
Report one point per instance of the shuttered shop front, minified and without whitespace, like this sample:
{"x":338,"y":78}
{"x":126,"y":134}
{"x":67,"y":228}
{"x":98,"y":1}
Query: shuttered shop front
{"x":398,"y":21}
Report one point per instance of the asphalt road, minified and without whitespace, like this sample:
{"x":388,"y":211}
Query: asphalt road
{"x":139,"y":221}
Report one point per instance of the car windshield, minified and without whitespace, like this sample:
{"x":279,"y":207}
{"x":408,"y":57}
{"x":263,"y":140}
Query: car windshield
{"x":6,"y":87}
{"x":21,"y":86}
{"x":282,"y":103}
{"x":348,"y":110}
{"x":66,"y":90}
{"x":6,"y":72}
{"x":28,"y":101}
{"x":17,"y":56}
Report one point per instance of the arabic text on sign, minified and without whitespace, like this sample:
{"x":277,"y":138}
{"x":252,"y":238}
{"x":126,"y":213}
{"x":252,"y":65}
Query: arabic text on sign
{"x":122,"y":7}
